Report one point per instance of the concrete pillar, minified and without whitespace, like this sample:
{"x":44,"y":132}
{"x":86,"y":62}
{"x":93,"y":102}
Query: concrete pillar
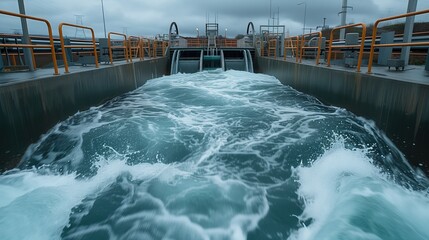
{"x":25,"y":37}
{"x":408,"y":31}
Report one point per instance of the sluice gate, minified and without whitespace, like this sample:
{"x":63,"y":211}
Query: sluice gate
{"x":197,"y":60}
{"x":212,"y":51}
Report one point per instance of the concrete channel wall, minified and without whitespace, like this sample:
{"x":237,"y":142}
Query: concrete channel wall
{"x":399,"y":108}
{"x":30,"y":108}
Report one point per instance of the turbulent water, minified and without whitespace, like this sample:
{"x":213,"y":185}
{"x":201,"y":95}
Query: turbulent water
{"x":214,"y":155}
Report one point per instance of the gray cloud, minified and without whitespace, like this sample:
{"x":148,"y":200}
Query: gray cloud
{"x":148,"y":18}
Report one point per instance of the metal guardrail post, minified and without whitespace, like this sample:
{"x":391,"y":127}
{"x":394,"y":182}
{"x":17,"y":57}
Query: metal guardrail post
{"x":155,"y":48}
{"x":164,"y":48}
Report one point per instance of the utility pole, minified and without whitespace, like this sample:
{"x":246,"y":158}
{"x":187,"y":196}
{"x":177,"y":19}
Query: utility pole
{"x":104,"y":20}
{"x":305,"y":15}
{"x":25,"y":37}
{"x":408,"y":31}
{"x":343,"y":18}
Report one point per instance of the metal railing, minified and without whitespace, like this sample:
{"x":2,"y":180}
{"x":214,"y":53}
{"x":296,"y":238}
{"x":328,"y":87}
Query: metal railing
{"x":135,"y":48}
{"x":193,"y":42}
{"x":124,"y":46}
{"x":154,"y":48}
{"x":304,"y":46}
{"x":159,"y":48}
{"x":32,"y":46}
{"x":145,"y":46}
{"x":272,"y":48}
{"x":230,"y":42}
{"x":360,"y":46}
{"x":374,"y":36}
{"x":164,"y":48}
{"x":63,"y":46}
{"x":292,"y":44}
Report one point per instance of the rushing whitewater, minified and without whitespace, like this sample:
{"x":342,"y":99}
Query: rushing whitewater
{"x":214,"y":155}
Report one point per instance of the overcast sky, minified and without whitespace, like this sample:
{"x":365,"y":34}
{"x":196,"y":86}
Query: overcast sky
{"x":148,"y":18}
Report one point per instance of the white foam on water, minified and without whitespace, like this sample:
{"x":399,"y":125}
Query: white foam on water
{"x":37,"y":206}
{"x":346,"y":197}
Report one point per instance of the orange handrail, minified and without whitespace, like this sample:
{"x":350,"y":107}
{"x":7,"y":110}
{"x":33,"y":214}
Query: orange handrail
{"x":120,"y":47}
{"x":51,"y":39}
{"x":374,"y":33}
{"x":135,"y":43}
{"x":318,"y":47}
{"x":272,"y":45}
{"x":145,"y":45}
{"x":156,"y":44}
{"x":361,"y":46}
{"x":154,"y":47}
{"x":261,"y":47}
{"x":63,"y":46}
{"x":164,"y":47}
{"x":193,"y":42}
{"x":288,"y":44}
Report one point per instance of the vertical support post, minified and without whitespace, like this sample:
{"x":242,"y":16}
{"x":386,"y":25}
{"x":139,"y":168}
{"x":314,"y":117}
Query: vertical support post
{"x":25,"y":37}
{"x":104,"y":20}
{"x":343,"y":19}
{"x":408,"y":31}
{"x":305,"y":15}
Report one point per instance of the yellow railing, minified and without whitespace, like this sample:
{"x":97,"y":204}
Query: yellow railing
{"x":164,"y":47}
{"x":374,"y":36}
{"x":291,"y":43}
{"x":230,"y":42}
{"x":317,"y":48}
{"x":63,"y":46}
{"x":154,"y":48}
{"x":124,"y":45}
{"x":193,"y":42}
{"x":261,"y":46}
{"x":145,"y":46}
{"x":32,"y":46}
{"x":159,"y":46}
{"x":135,"y":47}
{"x":272,"y":47}
{"x":361,"y":45}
